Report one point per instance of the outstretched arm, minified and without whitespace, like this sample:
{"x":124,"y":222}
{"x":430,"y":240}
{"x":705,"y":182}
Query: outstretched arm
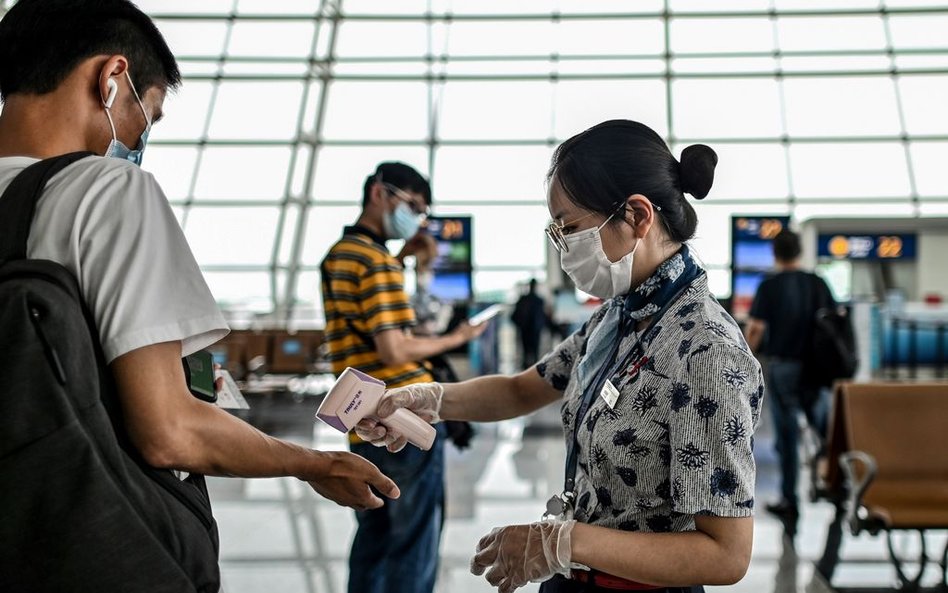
{"x":485,"y":399}
{"x":395,"y":347}
{"x":496,"y":397}
{"x":172,"y":429}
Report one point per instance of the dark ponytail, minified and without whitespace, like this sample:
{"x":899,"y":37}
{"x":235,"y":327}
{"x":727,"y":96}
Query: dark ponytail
{"x":601,"y":167}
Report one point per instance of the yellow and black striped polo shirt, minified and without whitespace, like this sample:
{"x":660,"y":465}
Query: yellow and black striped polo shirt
{"x":363,"y":294}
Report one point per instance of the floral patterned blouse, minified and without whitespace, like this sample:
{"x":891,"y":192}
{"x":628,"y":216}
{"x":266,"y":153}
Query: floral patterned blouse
{"x":678,"y":441}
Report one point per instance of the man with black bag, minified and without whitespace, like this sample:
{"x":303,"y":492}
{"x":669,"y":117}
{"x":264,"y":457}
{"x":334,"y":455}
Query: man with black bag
{"x":100,"y":297}
{"x":795,"y":311}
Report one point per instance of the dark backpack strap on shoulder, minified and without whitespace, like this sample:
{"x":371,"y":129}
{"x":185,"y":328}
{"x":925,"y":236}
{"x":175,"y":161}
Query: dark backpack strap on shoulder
{"x":18,"y":203}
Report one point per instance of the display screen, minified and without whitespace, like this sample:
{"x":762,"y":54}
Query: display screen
{"x":451,"y":286}
{"x":291,"y":347}
{"x":868,"y":247}
{"x":752,"y":257}
{"x":754,"y":254}
{"x":452,"y":267}
{"x":745,"y":288}
{"x":750,"y":240}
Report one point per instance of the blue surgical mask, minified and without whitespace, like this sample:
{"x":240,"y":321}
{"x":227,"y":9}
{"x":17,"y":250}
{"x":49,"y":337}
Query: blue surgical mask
{"x":116,"y":148}
{"x":402,"y":223}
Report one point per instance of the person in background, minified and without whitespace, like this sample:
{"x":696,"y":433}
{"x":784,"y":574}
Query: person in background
{"x":369,"y":321}
{"x":781,"y":318}
{"x":431,"y":314}
{"x":530,"y":317}
{"x":660,"y":393}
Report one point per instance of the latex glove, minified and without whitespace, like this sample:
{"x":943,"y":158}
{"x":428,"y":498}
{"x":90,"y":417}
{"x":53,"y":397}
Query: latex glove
{"x":423,"y":399}
{"x":513,"y":556}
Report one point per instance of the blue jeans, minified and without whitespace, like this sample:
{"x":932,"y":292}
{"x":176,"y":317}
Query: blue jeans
{"x":788,"y":397}
{"x":396,"y":547}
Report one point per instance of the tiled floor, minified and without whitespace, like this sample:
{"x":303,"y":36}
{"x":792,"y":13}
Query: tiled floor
{"x":276,"y":535}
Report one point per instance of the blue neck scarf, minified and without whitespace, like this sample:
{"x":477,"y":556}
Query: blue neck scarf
{"x":644,"y":301}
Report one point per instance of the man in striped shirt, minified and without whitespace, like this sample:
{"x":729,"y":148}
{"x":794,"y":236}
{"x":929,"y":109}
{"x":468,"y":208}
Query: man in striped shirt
{"x":368,"y":327}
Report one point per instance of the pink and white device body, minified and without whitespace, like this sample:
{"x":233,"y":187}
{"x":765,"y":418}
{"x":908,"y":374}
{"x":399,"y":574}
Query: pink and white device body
{"x":356,"y":395}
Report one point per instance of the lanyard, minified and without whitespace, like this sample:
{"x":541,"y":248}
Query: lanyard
{"x":608,"y":369}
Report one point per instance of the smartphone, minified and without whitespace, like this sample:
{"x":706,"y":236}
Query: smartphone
{"x":486,"y":315}
{"x":199,"y":371}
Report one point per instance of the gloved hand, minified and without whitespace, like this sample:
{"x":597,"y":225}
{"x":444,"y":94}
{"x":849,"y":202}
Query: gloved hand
{"x":423,"y":399}
{"x":519,"y":554}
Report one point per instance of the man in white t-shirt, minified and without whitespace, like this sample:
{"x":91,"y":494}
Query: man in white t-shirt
{"x":83,"y":75}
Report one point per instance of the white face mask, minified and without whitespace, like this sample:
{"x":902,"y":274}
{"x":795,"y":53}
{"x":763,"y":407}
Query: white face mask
{"x":589,"y":267}
{"x":402,"y":223}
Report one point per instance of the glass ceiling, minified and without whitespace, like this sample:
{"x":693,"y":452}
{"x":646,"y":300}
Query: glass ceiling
{"x":815,"y":107}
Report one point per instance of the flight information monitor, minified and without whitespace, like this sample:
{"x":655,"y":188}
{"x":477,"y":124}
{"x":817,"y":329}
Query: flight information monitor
{"x":452,"y":267}
{"x":752,"y":257}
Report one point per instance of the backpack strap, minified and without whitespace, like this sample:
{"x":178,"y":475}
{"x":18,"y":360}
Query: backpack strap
{"x":18,"y":203}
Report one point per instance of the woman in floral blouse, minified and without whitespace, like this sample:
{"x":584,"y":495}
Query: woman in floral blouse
{"x":660,"y":394}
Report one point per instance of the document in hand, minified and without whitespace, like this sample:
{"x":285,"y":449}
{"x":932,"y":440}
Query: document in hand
{"x":356,"y":395}
{"x":230,"y":397}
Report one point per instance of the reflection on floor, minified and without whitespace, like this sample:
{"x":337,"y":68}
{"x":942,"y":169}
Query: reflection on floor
{"x":276,"y":535}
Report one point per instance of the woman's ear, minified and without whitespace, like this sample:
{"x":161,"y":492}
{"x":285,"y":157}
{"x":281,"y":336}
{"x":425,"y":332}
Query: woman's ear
{"x":639,"y":214}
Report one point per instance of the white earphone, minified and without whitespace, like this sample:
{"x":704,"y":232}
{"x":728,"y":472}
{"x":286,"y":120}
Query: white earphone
{"x":113,"y":90}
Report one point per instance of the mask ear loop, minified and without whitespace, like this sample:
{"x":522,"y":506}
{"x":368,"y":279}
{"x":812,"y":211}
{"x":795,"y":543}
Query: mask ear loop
{"x":139,"y":99}
{"x":655,"y":207}
{"x":638,"y":240}
{"x":619,"y":206}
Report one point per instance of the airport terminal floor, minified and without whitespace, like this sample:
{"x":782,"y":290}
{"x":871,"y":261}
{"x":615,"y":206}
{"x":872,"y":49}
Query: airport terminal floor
{"x":276,"y":535}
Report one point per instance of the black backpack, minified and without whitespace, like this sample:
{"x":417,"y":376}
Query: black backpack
{"x":81,"y":510}
{"x":830,"y":353}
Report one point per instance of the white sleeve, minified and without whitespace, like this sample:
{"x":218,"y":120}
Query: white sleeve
{"x":137,"y":273}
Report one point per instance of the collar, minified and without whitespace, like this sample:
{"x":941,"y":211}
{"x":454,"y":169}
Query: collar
{"x":358,"y":229}
{"x":664,"y":285}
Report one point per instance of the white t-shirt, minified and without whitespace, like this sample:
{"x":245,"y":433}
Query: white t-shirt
{"x":109,"y":223}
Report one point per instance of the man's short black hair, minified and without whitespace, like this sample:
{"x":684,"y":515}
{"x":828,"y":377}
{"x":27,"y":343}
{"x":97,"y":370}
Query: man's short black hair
{"x":401,"y":176}
{"x":787,"y":246}
{"x":42,"y":42}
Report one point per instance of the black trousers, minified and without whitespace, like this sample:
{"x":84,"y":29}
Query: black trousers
{"x":560,"y":584}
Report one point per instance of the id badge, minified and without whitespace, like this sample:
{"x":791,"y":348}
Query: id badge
{"x":609,"y":394}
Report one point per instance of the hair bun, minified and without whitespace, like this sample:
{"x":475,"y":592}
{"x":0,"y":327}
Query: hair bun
{"x":696,"y":170}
